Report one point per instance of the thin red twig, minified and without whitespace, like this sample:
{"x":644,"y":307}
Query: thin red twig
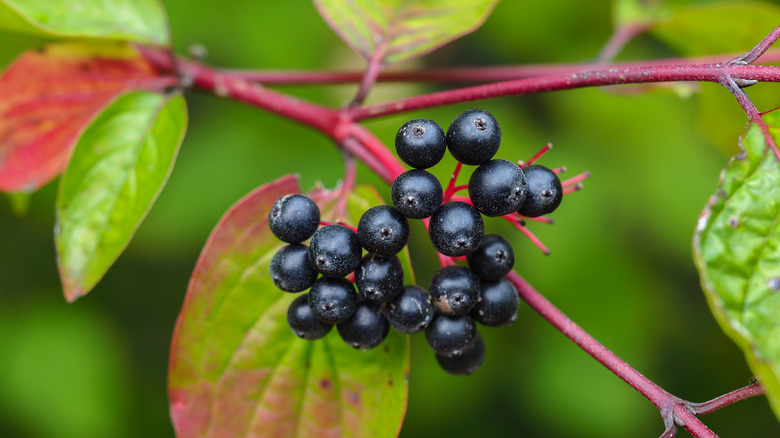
{"x":724,"y":400}
{"x":450,"y":190}
{"x":458,"y":75}
{"x":536,"y":156}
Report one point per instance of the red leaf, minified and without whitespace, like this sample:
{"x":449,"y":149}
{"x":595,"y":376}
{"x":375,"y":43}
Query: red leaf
{"x":49,"y":97}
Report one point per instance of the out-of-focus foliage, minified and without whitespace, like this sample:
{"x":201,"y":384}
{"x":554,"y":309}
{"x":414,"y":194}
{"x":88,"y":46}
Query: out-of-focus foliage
{"x":621,"y":263}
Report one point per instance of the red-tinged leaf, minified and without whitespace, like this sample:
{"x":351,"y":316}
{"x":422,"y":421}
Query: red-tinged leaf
{"x":237,"y":370}
{"x":396,"y":31}
{"x":49,"y":97}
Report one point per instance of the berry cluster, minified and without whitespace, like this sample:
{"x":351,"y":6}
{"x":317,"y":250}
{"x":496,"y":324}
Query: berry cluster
{"x":459,"y":296}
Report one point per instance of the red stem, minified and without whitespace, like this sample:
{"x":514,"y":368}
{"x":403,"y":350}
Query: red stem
{"x":664,"y":401}
{"x":594,"y":78}
{"x":724,"y":400}
{"x":456,"y":74}
{"x":619,"y":38}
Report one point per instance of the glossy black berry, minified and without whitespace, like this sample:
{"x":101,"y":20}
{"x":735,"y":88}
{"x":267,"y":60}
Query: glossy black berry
{"x":334,"y":251}
{"x":454,"y":290}
{"x":493,"y":259}
{"x":420,"y":143}
{"x":332,"y":300}
{"x":379,"y":278}
{"x":544,"y":191}
{"x":383,"y":230}
{"x":497,"y":187}
{"x":366,"y":328}
{"x":473,"y":137}
{"x":499,"y":303}
{"x":456,"y":229}
{"x":290,"y":268}
{"x":416,"y":193}
{"x":303,"y":322}
{"x":451,"y":335}
{"x":294,"y":218}
{"x":411,"y":310}
{"x":468,"y":362}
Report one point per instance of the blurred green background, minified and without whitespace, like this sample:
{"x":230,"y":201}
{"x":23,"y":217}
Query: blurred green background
{"x":620,"y":267}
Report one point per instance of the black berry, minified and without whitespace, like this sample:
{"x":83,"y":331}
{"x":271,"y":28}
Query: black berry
{"x":544,"y":191}
{"x":473,"y":137}
{"x":383,"y":230}
{"x":455,"y":290}
{"x":456,"y":229}
{"x":493,"y":259}
{"x":303,"y":322}
{"x":497,"y":187}
{"x":499,"y":303}
{"x":294,"y":218}
{"x":416,"y":193}
{"x":466,"y":363}
{"x":332,"y":300}
{"x":366,"y":328}
{"x":420,"y":143}
{"x":451,"y":335}
{"x":411,"y":310}
{"x":379,"y":278}
{"x":290,"y":268}
{"x":334,"y":251}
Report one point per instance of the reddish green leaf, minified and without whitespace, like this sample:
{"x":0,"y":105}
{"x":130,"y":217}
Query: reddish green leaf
{"x":49,"y":97}
{"x":395,"y":31}
{"x":237,"y":370}
{"x":737,"y":251}
{"x":118,"y":168}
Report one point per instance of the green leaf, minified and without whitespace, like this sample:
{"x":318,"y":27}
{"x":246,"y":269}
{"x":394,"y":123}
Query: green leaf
{"x":118,"y":168}
{"x":395,"y":31}
{"x":237,"y":370}
{"x":718,"y":28}
{"x":143,"y":21}
{"x":737,"y":251}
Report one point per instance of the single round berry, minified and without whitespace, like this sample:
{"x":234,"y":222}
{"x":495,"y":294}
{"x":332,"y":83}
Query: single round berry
{"x":416,"y":193}
{"x":366,"y":328}
{"x":456,"y":229}
{"x":473,"y":137}
{"x":420,"y":143}
{"x":497,"y":187}
{"x":332,"y":300}
{"x":383,"y":230}
{"x":466,"y":363}
{"x":544,"y":191}
{"x":493,"y":259}
{"x":455,"y":290}
{"x":451,"y":335}
{"x":290,"y":268}
{"x":294,"y":218}
{"x":334,"y":251}
{"x":411,"y":310}
{"x":303,"y":322}
{"x":379,"y":278}
{"x":499,"y":303}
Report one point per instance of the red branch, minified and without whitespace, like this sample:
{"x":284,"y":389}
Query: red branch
{"x":594,"y":78}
